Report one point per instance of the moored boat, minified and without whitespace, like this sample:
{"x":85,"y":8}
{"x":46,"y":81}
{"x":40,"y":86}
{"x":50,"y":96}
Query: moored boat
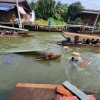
{"x":14,"y":32}
{"x":80,"y":44}
{"x":47,"y":58}
{"x":17,"y":35}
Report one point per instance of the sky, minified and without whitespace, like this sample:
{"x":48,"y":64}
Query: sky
{"x":88,"y":4}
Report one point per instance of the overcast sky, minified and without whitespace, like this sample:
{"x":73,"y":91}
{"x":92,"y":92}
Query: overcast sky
{"x":88,"y":4}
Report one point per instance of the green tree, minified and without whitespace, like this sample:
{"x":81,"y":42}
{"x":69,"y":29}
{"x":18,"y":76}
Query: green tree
{"x":61,"y":10}
{"x":32,"y":4}
{"x":74,"y":7}
{"x":45,"y":9}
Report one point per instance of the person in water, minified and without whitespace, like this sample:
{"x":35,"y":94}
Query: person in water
{"x":51,"y":55}
{"x":73,"y":60}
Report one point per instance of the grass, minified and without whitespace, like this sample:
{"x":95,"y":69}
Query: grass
{"x":54,"y":22}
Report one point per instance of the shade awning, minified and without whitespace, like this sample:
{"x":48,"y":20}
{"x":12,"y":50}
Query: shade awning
{"x":22,"y":11}
{"x":5,"y":8}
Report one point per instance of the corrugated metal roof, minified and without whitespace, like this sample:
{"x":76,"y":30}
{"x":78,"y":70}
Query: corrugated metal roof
{"x":88,"y":11}
{"x":13,"y":3}
{"x":7,"y":4}
{"x":5,"y":8}
{"x":10,"y":1}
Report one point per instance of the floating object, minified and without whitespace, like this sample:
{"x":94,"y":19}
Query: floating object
{"x":8,"y":61}
{"x":98,"y":50}
{"x":75,"y":53}
{"x":65,"y":47}
{"x":84,"y":63}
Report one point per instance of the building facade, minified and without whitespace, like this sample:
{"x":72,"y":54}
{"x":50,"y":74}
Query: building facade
{"x":9,"y":10}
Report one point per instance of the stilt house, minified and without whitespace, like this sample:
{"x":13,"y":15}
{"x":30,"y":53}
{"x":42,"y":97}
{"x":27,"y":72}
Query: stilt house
{"x":9,"y":10}
{"x":90,"y":18}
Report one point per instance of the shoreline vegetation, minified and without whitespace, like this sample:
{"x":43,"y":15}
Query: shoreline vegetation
{"x":45,"y":22}
{"x":56,"y":12}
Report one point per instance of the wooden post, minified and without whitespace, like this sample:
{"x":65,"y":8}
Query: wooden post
{"x":95,"y":21}
{"x":37,"y":27}
{"x":20,"y":24}
{"x":49,"y":28}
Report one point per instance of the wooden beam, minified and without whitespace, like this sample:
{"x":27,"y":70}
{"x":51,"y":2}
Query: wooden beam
{"x":95,"y":21}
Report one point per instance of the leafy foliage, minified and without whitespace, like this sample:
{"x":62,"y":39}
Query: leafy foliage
{"x":78,"y":21}
{"x":54,"y":22}
{"x":61,"y":11}
{"x":98,"y":24}
{"x":32,"y":4}
{"x":45,"y":9}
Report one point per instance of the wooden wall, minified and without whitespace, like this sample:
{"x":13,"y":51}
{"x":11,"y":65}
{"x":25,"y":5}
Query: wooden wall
{"x":89,"y":17}
{"x":7,"y":15}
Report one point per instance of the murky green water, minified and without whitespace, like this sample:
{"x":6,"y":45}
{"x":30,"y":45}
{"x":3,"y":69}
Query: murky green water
{"x":24,"y":69}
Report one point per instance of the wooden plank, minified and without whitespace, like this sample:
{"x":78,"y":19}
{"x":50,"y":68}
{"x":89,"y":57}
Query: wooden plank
{"x":84,"y":63}
{"x":12,"y":28}
{"x":81,"y":95}
{"x":91,"y":97}
{"x":25,"y":91}
{"x":62,"y":90}
{"x":67,"y":98}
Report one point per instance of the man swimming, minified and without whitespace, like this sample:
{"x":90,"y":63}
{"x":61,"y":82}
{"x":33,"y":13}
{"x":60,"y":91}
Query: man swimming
{"x":73,"y":62}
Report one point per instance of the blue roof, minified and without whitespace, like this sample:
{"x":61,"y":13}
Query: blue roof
{"x":5,"y":8}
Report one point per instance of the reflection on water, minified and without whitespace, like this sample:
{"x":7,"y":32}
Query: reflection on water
{"x":23,"y":68}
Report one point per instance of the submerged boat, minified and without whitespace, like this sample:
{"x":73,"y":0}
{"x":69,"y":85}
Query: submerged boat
{"x":44,"y":57}
{"x":25,"y":34}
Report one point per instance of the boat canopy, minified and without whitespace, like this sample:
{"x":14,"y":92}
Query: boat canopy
{"x":82,"y":35}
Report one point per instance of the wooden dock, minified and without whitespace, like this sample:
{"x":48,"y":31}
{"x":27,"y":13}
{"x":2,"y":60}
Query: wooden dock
{"x":53,"y":28}
{"x":38,"y":27}
{"x":24,"y":91}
